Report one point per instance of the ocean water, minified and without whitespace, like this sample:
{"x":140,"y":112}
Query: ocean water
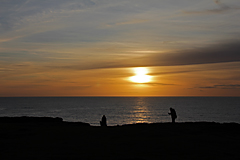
{"x":125,"y":110}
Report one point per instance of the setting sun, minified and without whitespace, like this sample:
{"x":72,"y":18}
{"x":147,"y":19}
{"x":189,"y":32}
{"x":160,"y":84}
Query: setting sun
{"x":141,"y":76}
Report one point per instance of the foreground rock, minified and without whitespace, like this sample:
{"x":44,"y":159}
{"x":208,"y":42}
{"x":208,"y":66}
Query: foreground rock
{"x":66,"y":140}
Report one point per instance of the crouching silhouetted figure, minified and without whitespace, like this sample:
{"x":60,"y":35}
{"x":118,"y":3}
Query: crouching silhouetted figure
{"x":103,"y":122}
{"x":173,"y":114}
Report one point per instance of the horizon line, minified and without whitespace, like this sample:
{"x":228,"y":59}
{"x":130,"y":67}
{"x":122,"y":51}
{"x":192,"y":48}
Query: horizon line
{"x":105,"y":96}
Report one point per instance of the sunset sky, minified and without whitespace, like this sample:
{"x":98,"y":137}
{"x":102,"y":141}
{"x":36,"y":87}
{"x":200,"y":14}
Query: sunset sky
{"x":119,"y":48}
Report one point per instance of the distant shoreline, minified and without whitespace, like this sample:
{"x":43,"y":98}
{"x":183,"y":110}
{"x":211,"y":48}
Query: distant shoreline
{"x":31,"y":119}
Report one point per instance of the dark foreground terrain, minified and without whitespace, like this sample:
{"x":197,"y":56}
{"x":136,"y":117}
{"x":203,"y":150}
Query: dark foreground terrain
{"x":51,"y":138}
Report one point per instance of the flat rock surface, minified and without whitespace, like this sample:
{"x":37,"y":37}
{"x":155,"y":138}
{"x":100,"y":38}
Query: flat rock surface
{"x":56,"y":139}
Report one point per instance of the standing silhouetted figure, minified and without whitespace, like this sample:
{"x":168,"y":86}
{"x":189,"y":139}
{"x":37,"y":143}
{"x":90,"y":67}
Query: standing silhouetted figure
{"x":173,"y":114}
{"x":103,"y":122}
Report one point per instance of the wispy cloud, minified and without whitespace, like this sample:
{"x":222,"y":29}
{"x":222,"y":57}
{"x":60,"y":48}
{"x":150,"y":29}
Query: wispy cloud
{"x":9,"y":39}
{"x":158,"y":84}
{"x":15,"y":12}
{"x":222,"y":86}
{"x":28,"y":86}
{"x":217,"y":53}
{"x":134,"y":21}
{"x":222,"y":8}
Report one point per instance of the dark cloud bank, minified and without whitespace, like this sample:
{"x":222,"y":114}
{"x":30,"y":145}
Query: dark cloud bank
{"x":218,"y":53}
{"x":228,"y":52}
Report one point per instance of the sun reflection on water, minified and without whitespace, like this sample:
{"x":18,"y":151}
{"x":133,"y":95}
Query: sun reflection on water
{"x":140,"y":113}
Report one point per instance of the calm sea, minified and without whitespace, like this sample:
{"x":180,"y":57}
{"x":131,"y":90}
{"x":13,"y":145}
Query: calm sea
{"x":125,"y":110}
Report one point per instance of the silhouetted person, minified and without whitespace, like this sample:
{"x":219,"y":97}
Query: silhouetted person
{"x":103,"y":122}
{"x":173,"y":114}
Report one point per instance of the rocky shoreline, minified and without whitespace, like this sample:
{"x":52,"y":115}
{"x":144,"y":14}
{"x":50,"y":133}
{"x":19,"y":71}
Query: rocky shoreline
{"x":53,"y":138}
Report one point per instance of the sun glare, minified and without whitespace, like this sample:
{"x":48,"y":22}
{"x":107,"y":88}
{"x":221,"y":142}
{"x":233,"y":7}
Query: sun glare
{"x":141,"y":75}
